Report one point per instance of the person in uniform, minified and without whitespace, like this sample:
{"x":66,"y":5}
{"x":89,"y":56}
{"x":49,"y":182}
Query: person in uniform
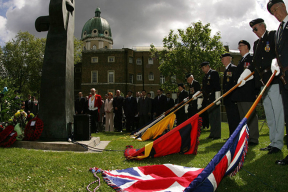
{"x":264,"y":52}
{"x":229,"y":81}
{"x":278,"y":9}
{"x":181,"y":114}
{"x":94,"y":104}
{"x":194,"y":86}
{"x":245,"y":94}
{"x":211,"y":91}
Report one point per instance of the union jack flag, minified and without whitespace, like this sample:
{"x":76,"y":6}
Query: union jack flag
{"x":170,"y":177}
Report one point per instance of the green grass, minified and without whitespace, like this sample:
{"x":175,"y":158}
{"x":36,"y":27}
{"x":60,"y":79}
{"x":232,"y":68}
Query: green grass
{"x":35,"y":170}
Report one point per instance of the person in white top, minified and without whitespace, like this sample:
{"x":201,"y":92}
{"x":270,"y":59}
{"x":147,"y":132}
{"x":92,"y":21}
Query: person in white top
{"x":108,"y":108}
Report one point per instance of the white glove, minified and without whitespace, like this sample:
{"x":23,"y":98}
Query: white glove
{"x":217,"y":95}
{"x":194,"y":96}
{"x":275,"y":67}
{"x":244,"y":74}
{"x":185,"y":100}
{"x":186,"y":108}
{"x":199,"y":103}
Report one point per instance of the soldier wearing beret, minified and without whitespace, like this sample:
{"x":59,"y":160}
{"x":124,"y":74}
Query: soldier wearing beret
{"x":228,"y":82}
{"x":211,"y":91}
{"x":181,"y":114}
{"x":194,"y":86}
{"x":264,"y":52}
{"x":245,"y":94}
{"x":278,"y":9}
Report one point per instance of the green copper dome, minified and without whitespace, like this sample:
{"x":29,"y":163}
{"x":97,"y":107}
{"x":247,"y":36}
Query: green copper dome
{"x":96,"y":27}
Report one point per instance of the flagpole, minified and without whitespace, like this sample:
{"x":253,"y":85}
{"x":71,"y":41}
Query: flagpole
{"x":224,"y":95}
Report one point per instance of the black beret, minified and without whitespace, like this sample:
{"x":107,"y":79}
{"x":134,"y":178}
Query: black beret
{"x":271,"y":3}
{"x":245,"y":43}
{"x":226,"y":55}
{"x":181,"y":85}
{"x":188,"y":75}
{"x":204,"y":63}
{"x":256,"y":21}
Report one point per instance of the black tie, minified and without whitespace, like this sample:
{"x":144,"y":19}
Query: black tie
{"x":280,"y":31}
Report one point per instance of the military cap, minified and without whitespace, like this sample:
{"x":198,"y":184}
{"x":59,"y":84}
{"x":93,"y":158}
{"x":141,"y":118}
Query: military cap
{"x":245,"y":43}
{"x":226,"y":55}
{"x":271,"y":3}
{"x":204,"y":63}
{"x":256,"y":21}
{"x":181,"y":85}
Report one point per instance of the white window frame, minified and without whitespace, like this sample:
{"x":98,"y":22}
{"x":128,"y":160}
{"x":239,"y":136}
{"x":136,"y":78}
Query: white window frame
{"x":162,"y":79}
{"x":131,"y":60}
{"x":151,"y":76}
{"x":132,"y":78}
{"x":111,"y":59}
{"x":139,"y":77}
{"x":152,"y":94}
{"x":94,"y":59}
{"x":92,"y":76}
{"x":150,"y":61}
{"x":94,"y":47}
{"x":108,"y":73}
{"x":139,"y":61}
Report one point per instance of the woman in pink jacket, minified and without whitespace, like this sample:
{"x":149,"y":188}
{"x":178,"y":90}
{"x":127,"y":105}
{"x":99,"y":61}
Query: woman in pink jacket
{"x":108,"y":108}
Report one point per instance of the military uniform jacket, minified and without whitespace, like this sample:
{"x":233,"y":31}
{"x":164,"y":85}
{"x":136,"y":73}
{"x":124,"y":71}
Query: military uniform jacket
{"x":210,"y":84}
{"x":247,"y":92}
{"x":264,"y":52}
{"x":193,"y":88}
{"x":229,"y":81}
{"x":282,"y":50}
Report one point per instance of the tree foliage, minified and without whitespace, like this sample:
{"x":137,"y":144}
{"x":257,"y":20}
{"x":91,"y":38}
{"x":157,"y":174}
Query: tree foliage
{"x":23,"y":59}
{"x":77,"y":50}
{"x":185,"y":50}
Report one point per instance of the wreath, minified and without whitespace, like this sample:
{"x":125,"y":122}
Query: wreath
{"x":7,"y":136}
{"x":33,"y":129}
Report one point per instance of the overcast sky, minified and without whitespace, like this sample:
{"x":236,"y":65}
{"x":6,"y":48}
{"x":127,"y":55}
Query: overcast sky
{"x":142,"y":22}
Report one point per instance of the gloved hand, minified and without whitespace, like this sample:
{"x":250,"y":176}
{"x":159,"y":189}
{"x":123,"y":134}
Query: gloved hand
{"x":275,"y":67}
{"x":186,"y":108}
{"x":217,"y":95}
{"x":199,"y":103}
{"x":244,"y":74}
{"x":198,"y":95}
{"x":185,"y":100}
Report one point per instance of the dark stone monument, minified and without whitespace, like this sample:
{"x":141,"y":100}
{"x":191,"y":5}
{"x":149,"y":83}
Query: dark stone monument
{"x":57,"y":83}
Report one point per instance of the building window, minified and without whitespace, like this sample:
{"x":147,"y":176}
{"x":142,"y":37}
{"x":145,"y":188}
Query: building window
{"x":111,"y":77}
{"x":130,"y":78}
{"x":94,"y":59}
{"x":150,"y":61}
{"x":94,"y":32}
{"x":130,"y":59}
{"x":94,"y":47}
{"x":173,"y":79}
{"x":84,"y":48}
{"x":106,"y":33}
{"x":139,"y":61}
{"x":152,"y":94}
{"x":139,"y":77}
{"x":162,"y":79}
{"x":111,"y":59}
{"x":151,"y":76}
{"x":94,"y":76}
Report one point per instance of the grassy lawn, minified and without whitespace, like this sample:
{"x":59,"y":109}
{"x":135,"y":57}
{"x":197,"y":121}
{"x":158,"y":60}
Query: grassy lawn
{"x":34,"y":170}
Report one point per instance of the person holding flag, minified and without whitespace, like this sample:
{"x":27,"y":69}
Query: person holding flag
{"x":264,"y":52}
{"x":181,"y":113}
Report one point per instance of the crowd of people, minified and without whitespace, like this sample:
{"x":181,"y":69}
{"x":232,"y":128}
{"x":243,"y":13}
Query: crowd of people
{"x":141,"y":109}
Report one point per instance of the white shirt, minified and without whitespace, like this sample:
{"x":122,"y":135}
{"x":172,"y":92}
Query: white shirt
{"x":91,"y":103}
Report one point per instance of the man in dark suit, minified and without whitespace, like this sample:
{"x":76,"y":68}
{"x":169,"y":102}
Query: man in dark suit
{"x":278,"y":9}
{"x":170,"y":101}
{"x":228,"y":82}
{"x":181,"y":114}
{"x":211,"y":91}
{"x":264,"y":52}
{"x":160,"y":103}
{"x":117,"y":108}
{"x":194,"y":86}
{"x":130,"y":110}
{"x":245,"y":94}
{"x":79,"y":104}
{"x":144,"y":109}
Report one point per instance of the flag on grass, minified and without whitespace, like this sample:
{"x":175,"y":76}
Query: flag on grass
{"x":181,"y":139}
{"x":168,"y":177}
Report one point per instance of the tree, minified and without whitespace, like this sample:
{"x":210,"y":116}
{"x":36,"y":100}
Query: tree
{"x":77,"y":50}
{"x":185,"y":50}
{"x":23,"y":59}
